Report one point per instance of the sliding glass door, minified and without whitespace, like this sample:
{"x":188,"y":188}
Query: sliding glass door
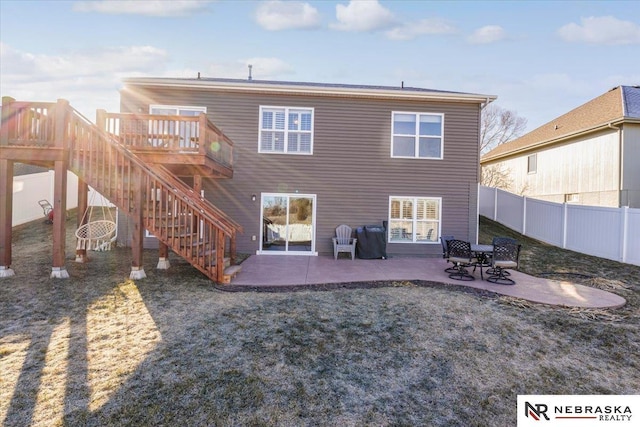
{"x":288,"y":223}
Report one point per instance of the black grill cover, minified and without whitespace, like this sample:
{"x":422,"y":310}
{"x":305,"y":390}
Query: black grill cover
{"x":372,"y":242}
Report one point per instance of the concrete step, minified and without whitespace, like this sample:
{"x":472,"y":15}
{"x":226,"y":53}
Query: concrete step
{"x":230,"y":272}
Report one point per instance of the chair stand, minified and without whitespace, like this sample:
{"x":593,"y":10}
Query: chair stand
{"x":451,"y":269}
{"x":461,"y":273}
{"x":492,"y":272}
{"x":499,"y":277}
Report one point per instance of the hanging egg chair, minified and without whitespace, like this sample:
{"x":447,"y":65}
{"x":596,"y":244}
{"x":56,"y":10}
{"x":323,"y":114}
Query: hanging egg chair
{"x":98,"y":234}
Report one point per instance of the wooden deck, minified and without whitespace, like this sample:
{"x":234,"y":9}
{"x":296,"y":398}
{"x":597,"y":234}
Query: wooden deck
{"x":135,"y":161}
{"x":185,"y":145}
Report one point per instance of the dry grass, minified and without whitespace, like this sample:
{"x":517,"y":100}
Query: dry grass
{"x":100,"y":350}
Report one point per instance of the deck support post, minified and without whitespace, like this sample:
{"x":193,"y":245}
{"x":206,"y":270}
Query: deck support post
{"x":232,"y":249}
{"x":59,"y":270}
{"x":6,"y":212}
{"x":83,"y":204}
{"x":220,"y":256}
{"x":137,"y":269}
{"x":163,"y":257}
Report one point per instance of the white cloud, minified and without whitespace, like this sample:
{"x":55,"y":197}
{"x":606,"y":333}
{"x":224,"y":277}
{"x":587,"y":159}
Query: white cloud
{"x":412,"y":30}
{"x":262,"y":69}
{"x":143,"y":7}
{"x":87,"y":79}
{"x":601,"y":30}
{"x":280,"y":15}
{"x":363,"y":15}
{"x":487,"y":34}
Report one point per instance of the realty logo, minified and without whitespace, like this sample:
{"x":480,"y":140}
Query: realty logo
{"x":577,"y":410}
{"x":536,"y":411}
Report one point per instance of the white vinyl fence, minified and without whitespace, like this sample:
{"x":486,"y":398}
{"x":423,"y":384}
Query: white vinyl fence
{"x":612,"y":233}
{"x":29,"y":189}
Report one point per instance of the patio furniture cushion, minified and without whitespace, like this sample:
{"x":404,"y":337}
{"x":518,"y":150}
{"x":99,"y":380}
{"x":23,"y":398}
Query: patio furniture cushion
{"x":461,"y":256}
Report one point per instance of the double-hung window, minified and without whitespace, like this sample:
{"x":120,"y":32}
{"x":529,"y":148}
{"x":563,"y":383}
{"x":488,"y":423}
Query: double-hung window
{"x":417,"y":135}
{"x":414,"y":219}
{"x":286,"y":130}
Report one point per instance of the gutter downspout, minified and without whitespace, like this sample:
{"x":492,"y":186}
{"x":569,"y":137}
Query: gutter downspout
{"x":479,"y":177}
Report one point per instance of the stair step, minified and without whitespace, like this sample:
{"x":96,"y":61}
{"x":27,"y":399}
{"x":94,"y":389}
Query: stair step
{"x":230,"y":272}
{"x":185,"y":235}
{"x":193,"y":244}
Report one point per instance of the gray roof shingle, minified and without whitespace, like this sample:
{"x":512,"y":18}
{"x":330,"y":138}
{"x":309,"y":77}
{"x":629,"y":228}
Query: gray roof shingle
{"x":618,"y":104}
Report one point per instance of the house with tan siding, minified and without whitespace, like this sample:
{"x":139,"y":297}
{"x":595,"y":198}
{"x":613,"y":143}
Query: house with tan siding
{"x":309,"y":156}
{"x":588,"y":156}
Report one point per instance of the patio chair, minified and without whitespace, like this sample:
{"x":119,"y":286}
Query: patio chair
{"x":343,"y":242}
{"x":499,"y":241}
{"x":445,"y":252}
{"x":461,"y":256}
{"x":505,"y":256}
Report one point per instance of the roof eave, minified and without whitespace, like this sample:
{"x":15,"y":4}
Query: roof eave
{"x":308,"y":90}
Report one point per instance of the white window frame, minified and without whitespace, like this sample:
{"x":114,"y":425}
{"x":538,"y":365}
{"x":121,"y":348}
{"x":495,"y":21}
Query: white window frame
{"x":178,"y":108}
{"x":313,"y":251}
{"x":286,"y":130}
{"x":414,"y":219}
{"x":534,"y":169}
{"x":417,"y":135}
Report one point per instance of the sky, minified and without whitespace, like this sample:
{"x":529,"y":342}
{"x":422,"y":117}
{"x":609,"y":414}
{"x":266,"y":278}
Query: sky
{"x":540,"y":58}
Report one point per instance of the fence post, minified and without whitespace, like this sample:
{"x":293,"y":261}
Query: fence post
{"x":524,"y":215}
{"x":495,"y":203}
{"x":624,"y":232}
{"x":565,"y":210}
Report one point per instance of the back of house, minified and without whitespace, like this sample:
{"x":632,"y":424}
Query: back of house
{"x":308,"y":157}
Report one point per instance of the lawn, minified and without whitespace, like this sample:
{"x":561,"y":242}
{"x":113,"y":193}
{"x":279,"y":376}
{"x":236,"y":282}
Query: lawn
{"x":100,"y":350}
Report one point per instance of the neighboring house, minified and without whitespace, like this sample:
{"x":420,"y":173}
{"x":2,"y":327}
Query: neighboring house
{"x":589,"y":156}
{"x":308,"y":157}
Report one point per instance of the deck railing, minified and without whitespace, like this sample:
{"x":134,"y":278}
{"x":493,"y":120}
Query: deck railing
{"x":28,"y":124}
{"x":171,"y":134}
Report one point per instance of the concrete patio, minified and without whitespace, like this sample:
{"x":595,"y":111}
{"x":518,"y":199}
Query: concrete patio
{"x":282,"y":270}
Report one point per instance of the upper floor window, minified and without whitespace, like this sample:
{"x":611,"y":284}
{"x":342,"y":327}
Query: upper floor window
{"x":417,"y":135}
{"x":286,"y":130}
{"x":414,"y":219}
{"x":532,"y":163}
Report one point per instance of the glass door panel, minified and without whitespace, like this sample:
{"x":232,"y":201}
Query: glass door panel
{"x":287,"y":223}
{"x":300,"y":224}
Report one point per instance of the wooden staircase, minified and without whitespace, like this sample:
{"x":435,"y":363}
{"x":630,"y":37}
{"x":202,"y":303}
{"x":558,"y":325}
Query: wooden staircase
{"x":155,"y":198}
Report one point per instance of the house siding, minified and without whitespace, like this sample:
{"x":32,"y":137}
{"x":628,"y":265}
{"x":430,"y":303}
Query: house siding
{"x":351,"y":170}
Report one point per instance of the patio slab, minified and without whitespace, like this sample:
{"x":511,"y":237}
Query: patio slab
{"x":284,"y":270}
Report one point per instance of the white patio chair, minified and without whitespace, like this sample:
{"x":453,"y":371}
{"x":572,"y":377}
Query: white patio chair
{"x":343,"y":242}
